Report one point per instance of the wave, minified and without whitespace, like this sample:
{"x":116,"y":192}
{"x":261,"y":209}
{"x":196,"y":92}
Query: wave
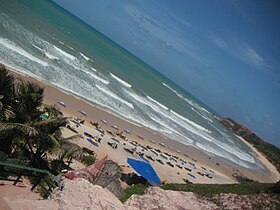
{"x":206,"y":118}
{"x":144,"y":101}
{"x":65,"y":44}
{"x":85,"y":57}
{"x":190,"y":122}
{"x":185,"y":99}
{"x":49,"y":56}
{"x":169,"y":130}
{"x":12,"y":46}
{"x":174,"y":117}
{"x":174,"y":91}
{"x":230,"y":156}
{"x":121,"y":81}
{"x":38,"y":48}
{"x":93,"y":69}
{"x":64,"y":53}
{"x":106,"y":82}
{"x":156,"y":102}
{"x":115,"y":96}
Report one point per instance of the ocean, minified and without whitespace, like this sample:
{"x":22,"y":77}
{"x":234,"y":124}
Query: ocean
{"x":42,"y":40}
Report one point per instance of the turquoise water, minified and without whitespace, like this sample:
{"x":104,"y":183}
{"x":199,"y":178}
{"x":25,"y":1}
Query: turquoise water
{"x":40,"y":39}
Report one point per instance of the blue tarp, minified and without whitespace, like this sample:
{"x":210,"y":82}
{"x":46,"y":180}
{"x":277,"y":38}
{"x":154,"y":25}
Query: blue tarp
{"x":145,"y":170}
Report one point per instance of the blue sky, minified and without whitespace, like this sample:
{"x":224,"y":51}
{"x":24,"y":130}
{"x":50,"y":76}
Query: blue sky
{"x":226,"y":53}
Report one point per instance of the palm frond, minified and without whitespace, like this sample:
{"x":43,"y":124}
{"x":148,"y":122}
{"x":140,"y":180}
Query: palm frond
{"x":54,"y":141}
{"x":18,"y":127}
{"x":55,"y":121}
{"x":72,"y":137}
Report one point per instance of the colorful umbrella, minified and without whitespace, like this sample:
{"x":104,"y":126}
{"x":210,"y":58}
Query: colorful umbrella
{"x":61,"y":103}
{"x":115,"y":127}
{"x":104,"y":121}
{"x":127,"y":131}
{"x":83,"y":113}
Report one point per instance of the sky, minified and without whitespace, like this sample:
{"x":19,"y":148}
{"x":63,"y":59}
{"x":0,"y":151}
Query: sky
{"x":225,"y":53}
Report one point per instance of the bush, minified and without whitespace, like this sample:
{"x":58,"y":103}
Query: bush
{"x":213,"y":189}
{"x":137,"y":189}
{"x":88,"y":160}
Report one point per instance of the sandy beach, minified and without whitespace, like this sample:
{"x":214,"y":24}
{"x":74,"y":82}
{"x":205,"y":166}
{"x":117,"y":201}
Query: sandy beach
{"x":173,"y":161}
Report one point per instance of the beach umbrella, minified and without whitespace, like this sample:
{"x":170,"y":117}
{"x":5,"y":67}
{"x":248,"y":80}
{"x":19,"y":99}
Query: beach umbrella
{"x":104,"y":121}
{"x":61,"y":103}
{"x":140,"y":137}
{"x":45,"y":115}
{"x":115,"y":140}
{"x":115,"y":127}
{"x":82,"y":113}
{"x":126,"y":132}
{"x":92,"y":142}
{"x":145,"y":169}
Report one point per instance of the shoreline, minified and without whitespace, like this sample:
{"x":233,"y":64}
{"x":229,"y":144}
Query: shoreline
{"x":74,"y":103}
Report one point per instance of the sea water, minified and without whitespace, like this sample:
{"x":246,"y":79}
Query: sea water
{"x":40,"y":39}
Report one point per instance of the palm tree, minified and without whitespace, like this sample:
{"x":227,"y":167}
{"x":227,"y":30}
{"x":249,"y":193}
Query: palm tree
{"x":22,"y":130}
{"x":6,"y":95}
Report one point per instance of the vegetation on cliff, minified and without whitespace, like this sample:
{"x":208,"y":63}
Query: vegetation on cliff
{"x":271,"y":152}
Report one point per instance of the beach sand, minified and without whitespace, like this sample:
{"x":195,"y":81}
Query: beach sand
{"x":222,"y":172}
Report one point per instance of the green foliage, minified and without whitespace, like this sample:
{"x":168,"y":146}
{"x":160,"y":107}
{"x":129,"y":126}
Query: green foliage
{"x":271,"y":152}
{"x":22,"y":130}
{"x":213,"y":189}
{"x":137,"y":189}
{"x":208,"y":190}
{"x":88,"y":159}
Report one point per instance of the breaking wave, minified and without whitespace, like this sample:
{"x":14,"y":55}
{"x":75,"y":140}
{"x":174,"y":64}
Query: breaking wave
{"x":124,"y":83}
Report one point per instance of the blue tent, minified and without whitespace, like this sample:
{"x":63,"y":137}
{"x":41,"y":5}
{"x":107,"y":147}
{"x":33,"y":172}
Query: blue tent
{"x":145,"y":170}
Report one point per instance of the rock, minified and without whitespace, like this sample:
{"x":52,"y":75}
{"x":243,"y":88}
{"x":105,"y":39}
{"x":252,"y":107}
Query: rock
{"x":157,"y":198}
{"x":256,"y":201}
{"x":110,"y":183}
{"x":109,"y":178}
{"x":77,"y":194}
{"x":112,"y":169}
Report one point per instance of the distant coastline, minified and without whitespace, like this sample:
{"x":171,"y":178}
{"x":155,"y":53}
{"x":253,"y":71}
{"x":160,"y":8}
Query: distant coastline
{"x":271,"y":152}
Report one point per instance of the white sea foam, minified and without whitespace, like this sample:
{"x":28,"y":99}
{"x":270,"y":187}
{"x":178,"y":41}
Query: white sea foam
{"x":233,"y":155}
{"x":85,"y":57}
{"x":156,"y":102}
{"x":12,"y":46}
{"x":93,"y":69}
{"x":115,"y":96}
{"x":106,"y":82}
{"x":64,"y":44}
{"x":174,"y":91}
{"x":121,"y":81}
{"x":49,"y":56}
{"x":206,"y":118}
{"x":185,"y":99}
{"x":38,"y":48}
{"x":64,"y":53}
{"x":174,"y":117}
{"x":190,"y":122}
